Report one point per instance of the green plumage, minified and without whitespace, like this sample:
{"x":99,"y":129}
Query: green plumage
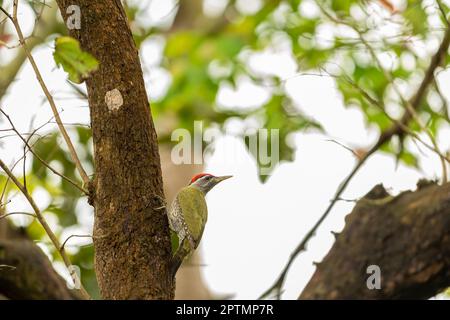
{"x":195,"y":212}
{"x":188,"y":217}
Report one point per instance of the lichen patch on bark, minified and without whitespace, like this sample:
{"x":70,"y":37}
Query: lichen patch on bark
{"x":114,"y":99}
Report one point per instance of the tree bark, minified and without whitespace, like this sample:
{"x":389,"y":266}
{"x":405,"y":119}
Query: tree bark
{"x":407,"y":236}
{"x":131,"y":235}
{"x":25,"y":271}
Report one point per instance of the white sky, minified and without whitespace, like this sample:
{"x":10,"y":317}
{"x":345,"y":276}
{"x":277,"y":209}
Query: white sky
{"x":252,"y":228}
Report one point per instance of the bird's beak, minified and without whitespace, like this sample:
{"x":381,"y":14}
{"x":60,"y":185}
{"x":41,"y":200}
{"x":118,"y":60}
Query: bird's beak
{"x":222,"y":178}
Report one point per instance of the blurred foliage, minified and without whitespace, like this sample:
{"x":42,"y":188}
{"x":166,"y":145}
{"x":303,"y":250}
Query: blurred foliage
{"x":203,"y":54}
{"x":329,"y":36}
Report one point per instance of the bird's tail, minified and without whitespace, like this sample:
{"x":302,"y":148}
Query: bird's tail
{"x":182,"y":252}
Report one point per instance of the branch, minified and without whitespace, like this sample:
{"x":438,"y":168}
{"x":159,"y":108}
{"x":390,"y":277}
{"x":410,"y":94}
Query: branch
{"x":25,"y":271}
{"x":407,"y":237}
{"x":6,"y":13}
{"x":45,"y":225}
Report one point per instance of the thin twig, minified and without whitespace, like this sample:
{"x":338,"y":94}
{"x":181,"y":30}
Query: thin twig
{"x":5,"y":266}
{"x":48,"y":95}
{"x":411,"y":110}
{"x":6,"y":13}
{"x":25,"y":141}
{"x":445,"y":106}
{"x":14,"y":165}
{"x":404,"y":127}
{"x":75,"y":236}
{"x":278,"y":285}
{"x":345,"y":147}
{"x":442,"y":11}
{"x":4,"y":204}
{"x":45,"y":225}
{"x":3,"y":216}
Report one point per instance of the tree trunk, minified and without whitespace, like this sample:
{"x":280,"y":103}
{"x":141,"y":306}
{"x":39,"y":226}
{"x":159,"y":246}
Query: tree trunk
{"x":407,"y":237}
{"x":131,"y":235}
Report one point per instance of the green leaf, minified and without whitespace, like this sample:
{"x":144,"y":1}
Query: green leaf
{"x":278,"y":114}
{"x":181,"y":43}
{"x":409,"y":159}
{"x":341,"y":6}
{"x":417,"y":17}
{"x":77,"y":63}
{"x":66,"y":217}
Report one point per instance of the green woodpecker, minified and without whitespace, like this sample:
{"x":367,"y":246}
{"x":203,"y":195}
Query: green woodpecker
{"x":188,"y":214}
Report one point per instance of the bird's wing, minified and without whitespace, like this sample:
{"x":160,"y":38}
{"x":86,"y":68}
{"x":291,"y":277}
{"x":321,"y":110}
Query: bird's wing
{"x":193,"y":203}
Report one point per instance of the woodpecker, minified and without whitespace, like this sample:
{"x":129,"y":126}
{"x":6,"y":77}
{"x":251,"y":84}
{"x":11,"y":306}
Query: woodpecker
{"x":188,"y":213}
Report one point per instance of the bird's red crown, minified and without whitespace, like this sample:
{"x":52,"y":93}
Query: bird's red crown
{"x":198,"y":176}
